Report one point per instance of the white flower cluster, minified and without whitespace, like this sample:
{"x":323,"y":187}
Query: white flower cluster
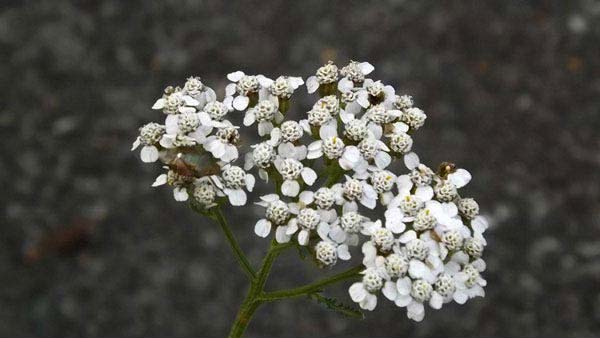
{"x":197,"y":144}
{"x":329,"y":169}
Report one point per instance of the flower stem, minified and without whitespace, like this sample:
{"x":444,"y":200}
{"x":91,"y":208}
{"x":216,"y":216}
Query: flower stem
{"x":235,"y":246}
{"x":252,"y":300}
{"x":256,"y":294}
{"x":312,"y":287}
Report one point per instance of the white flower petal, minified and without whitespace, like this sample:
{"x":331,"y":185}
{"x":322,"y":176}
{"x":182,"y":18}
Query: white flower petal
{"x":303,"y":237}
{"x":262,"y":228}
{"x":171,"y":124}
{"x":369,"y":303}
{"x":264,"y":128}
{"x":460,"y":178}
{"x":229,"y":91}
{"x":249,"y":118}
{"x":292,"y":227}
{"x":237,"y":197}
{"x":149,"y":154}
{"x":357,"y":292}
{"x":180,"y":194}
{"x":411,"y":161}
{"x":160,"y":180}
{"x":290,"y":188}
{"x":281,"y":236}
{"x":345,"y":85}
{"x":382,"y":160}
{"x":370,"y":203}
{"x":436,"y":301}
{"x":366,"y":68}
{"x":159,"y":104}
{"x":328,"y":130}
{"x":323,"y":231}
{"x":389,"y":290}
{"x":312,"y":84}
{"x":403,"y":300}
{"x":241,"y":102}
{"x":306,"y":197}
{"x":407,"y":236}
{"x":404,"y":285}
{"x":295,"y":81}
{"x":460,"y":297}
{"x":136,"y":144}
{"x":264,"y":81}
{"x":363,"y":99}
{"x":190,"y":101}
{"x":343,"y":252}
{"x":308,"y":175}
{"x":479,"y":264}
{"x":250,"y":181}
{"x":424,"y":193}
{"x":235,"y":76}
{"x":479,"y":224}
{"x":404,"y":185}
{"x":337,"y":234}
{"x":415,"y":311}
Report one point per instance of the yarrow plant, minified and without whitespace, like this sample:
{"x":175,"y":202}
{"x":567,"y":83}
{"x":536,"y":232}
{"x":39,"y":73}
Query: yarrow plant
{"x":337,"y":191}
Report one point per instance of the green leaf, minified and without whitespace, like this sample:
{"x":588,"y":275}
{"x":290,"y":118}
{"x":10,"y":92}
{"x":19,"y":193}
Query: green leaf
{"x":337,"y":306}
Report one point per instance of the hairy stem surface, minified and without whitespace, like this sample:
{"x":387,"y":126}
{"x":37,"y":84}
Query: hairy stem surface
{"x":217,"y":215}
{"x":312,"y":287}
{"x":258,"y":279}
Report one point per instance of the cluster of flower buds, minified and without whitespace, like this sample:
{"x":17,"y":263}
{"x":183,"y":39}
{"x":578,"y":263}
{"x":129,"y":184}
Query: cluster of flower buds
{"x":329,"y":169}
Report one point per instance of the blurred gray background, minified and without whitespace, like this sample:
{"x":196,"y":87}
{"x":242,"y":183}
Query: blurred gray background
{"x":87,"y":248}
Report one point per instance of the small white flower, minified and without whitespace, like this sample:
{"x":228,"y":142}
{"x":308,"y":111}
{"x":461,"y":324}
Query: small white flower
{"x":175,"y":102}
{"x":217,"y":110}
{"x":291,"y":131}
{"x":292,"y":170}
{"x":355,"y":190}
{"x":354,"y":72}
{"x":375,"y":151}
{"x":328,"y":252}
{"x":413,"y":117}
{"x":223,"y":145}
{"x":325,"y":75}
{"x":363,"y":292}
{"x":403,"y":102}
{"x":469,"y":283}
{"x":177,"y":181}
{"x":265,"y":113}
{"x":150,"y":135}
{"x":445,"y":191}
{"x":198,"y":91}
{"x":400,"y":142}
{"x":277,"y":213}
{"x":205,"y":193}
{"x":232,"y":181}
{"x":284,"y":86}
{"x":345,"y":229}
{"x":356,"y":130}
{"x":382,"y":238}
{"x":244,"y":85}
{"x":318,"y":116}
{"x":305,"y":219}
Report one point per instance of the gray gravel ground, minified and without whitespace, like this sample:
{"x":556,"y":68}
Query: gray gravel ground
{"x":511,"y":89}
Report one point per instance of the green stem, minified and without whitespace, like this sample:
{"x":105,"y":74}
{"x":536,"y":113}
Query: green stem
{"x":312,"y":287}
{"x":235,"y":246}
{"x":252,"y":300}
{"x":256,"y":294}
{"x":244,"y":315}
